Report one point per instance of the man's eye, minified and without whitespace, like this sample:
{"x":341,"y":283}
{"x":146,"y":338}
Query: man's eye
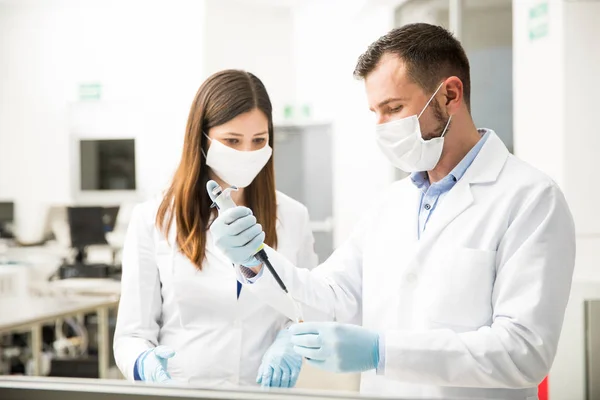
{"x":395,"y":109}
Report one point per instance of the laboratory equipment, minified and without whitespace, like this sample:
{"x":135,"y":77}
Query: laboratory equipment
{"x":35,"y":312}
{"x":7,"y":211}
{"x":222,"y":201}
{"x":86,"y":227}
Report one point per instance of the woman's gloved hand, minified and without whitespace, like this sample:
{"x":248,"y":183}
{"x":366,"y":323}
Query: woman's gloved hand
{"x":151,"y":365}
{"x":280,"y":365}
{"x":237,"y":234}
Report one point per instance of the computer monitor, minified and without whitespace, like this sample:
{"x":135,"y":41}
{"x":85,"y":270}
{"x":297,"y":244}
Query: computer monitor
{"x":7,"y":217}
{"x":107,"y":165}
{"x":86,"y":226}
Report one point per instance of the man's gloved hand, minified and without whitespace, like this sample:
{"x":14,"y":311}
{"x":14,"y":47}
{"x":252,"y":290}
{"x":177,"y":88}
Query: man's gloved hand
{"x":280,"y":365}
{"x":237,"y":234}
{"x":152,"y":364}
{"x":336,"y":347}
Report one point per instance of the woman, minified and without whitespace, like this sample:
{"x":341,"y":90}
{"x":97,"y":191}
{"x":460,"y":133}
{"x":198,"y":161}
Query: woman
{"x":179,"y":315}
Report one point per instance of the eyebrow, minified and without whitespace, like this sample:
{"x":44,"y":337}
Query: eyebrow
{"x":388,"y":101}
{"x":240,"y":135}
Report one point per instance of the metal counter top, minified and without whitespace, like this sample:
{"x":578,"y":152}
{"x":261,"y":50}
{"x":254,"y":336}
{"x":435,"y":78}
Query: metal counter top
{"x":35,"y":388}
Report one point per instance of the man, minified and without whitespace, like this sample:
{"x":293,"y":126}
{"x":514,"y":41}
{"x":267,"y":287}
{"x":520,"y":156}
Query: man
{"x":462,"y":272}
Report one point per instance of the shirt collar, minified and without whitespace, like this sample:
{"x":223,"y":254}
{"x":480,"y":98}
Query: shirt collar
{"x":421,"y":179}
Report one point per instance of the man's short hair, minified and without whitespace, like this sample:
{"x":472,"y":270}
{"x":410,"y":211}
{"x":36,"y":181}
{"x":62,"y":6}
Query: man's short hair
{"x":430,"y":53}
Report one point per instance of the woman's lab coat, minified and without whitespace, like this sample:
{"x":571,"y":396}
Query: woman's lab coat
{"x":219,"y":340}
{"x":474,"y":308}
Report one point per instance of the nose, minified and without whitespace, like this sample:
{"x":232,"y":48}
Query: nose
{"x":247,"y":146}
{"x":382,"y":119}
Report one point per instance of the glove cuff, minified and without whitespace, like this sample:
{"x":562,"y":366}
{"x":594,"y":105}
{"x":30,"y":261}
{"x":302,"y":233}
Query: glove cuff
{"x":283,"y":334}
{"x":251,"y":262}
{"x":375,"y":350}
{"x":138,"y":371}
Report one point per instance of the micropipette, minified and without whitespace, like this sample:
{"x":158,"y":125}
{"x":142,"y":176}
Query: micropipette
{"x":222,"y":201}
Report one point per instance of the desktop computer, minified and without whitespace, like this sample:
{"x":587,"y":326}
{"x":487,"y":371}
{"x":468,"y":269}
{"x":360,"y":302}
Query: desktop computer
{"x":87,"y":228}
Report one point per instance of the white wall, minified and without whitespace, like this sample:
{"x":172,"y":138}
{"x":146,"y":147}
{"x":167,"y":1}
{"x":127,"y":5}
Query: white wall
{"x":555,"y":124}
{"x":328,"y":39}
{"x":555,"y":79}
{"x":538,"y":73}
{"x":582,"y":131}
{"x":150,"y":57}
{"x":254,"y":36}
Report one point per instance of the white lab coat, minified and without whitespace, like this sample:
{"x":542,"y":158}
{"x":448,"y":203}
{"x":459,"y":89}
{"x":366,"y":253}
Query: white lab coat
{"x":219,"y":340}
{"x":474,"y":308}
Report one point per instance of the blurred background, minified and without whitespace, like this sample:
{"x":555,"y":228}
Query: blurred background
{"x":94,"y":98}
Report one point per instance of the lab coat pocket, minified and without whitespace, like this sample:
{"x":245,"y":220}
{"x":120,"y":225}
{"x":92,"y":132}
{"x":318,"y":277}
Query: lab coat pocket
{"x":463,"y":289}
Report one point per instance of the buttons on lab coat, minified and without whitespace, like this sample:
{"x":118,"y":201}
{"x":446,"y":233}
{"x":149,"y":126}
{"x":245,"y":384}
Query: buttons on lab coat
{"x":411,"y":278}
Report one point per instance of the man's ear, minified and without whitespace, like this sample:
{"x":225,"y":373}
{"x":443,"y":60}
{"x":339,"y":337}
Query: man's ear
{"x":453,"y":92}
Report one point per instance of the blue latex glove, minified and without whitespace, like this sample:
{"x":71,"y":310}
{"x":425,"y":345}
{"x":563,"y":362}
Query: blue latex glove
{"x":152,"y":364}
{"x":237,"y":234}
{"x":280,"y":365}
{"x":336,"y":347}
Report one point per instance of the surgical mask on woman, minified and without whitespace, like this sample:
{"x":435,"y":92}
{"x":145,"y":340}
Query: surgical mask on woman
{"x":403,"y":144}
{"x":237,"y":168}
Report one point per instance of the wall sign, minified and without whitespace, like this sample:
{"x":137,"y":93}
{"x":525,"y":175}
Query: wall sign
{"x":538,"y":21}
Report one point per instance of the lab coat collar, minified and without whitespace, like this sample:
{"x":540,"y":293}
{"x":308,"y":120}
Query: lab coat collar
{"x":489,"y":162}
{"x":485,"y":168}
{"x":277,"y":198}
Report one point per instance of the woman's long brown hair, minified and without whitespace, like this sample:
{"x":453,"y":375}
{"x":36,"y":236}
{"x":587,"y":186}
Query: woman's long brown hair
{"x":222,"y":97}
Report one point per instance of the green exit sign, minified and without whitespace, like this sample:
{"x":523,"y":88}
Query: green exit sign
{"x":538,"y":21}
{"x":90,"y":91}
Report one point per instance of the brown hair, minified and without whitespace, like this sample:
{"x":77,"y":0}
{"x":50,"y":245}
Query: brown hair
{"x":222,"y":97}
{"x":430,"y":52}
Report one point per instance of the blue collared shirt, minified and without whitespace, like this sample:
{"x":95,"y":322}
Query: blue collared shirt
{"x":432,"y":194}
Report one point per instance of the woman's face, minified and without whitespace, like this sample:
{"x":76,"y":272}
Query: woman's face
{"x":246,"y":132}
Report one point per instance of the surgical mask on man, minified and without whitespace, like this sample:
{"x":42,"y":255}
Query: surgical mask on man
{"x":402,"y":143}
{"x":236,"y":168}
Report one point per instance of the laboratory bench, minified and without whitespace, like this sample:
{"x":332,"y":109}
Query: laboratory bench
{"x":18,"y":388}
{"x":29,"y":303}
{"x":29,"y":314}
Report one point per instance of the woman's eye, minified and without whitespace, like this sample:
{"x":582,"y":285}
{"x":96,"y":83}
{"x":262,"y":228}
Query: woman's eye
{"x":232,"y":141}
{"x":259,"y":140}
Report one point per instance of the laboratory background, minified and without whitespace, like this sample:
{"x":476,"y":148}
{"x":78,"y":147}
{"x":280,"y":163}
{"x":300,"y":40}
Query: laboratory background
{"x":94,"y":100}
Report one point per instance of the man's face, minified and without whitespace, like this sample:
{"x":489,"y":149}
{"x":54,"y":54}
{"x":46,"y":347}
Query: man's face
{"x":392,"y":95}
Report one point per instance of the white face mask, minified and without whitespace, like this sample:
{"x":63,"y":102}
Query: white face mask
{"x":402,"y":143}
{"x":236,"y":168}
